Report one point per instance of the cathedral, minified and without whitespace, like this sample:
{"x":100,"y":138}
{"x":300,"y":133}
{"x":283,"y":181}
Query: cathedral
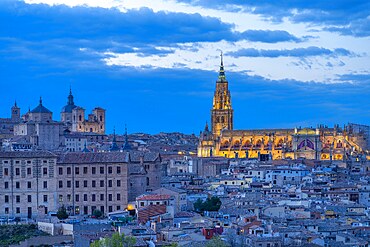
{"x":321,"y":143}
{"x":74,"y":118}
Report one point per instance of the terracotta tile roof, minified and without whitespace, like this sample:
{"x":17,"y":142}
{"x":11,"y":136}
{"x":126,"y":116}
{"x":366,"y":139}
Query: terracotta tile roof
{"x":80,"y":158}
{"x":153,"y":197}
{"x":149,"y":211}
{"x":30,"y":154}
{"x":108,"y":157}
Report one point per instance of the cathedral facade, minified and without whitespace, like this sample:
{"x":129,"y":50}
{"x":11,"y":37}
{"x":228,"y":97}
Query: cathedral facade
{"x":321,"y":143}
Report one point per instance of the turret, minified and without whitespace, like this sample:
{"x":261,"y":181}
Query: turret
{"x":15,"y":113}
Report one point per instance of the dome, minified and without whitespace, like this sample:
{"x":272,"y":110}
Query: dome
{"x":68,"y":108}
{"x":41,"y":109}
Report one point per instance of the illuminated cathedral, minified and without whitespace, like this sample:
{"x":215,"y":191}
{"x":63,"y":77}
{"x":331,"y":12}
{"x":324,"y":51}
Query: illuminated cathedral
{"x":321,"y":143}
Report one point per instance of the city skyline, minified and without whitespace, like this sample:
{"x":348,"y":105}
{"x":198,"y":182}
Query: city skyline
{"x":287,"y":71}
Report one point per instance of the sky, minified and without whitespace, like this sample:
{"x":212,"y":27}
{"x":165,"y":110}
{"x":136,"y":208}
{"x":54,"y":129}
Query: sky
{"x":152,"y":64}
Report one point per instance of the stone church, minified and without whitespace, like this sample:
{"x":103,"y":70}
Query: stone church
{"x":321,"y":143}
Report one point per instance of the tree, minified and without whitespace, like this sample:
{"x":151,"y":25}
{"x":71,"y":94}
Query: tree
{"x":62,"y":213}
{"x":211,"y":204}
{"x":216,"y":242}
{"x":116,"y":240}
{"x":97,"y":213}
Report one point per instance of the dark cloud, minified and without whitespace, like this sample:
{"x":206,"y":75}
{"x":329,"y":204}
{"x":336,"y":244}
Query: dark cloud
{"x":296,"y":52}
{"x":351,"y":17}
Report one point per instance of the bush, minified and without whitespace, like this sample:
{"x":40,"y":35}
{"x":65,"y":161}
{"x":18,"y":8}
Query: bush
{"x":62,"y":213}
{"x":97,"y":213}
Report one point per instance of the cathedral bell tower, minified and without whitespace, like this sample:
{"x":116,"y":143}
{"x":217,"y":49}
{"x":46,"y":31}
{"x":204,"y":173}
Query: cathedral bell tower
{"x":222,"y":112}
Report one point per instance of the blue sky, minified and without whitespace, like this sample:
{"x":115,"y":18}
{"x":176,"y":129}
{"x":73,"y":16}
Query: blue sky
{"x":153,"y":64}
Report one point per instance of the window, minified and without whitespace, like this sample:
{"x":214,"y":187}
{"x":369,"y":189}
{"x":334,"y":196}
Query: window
{"x":29,"y":185}
{"x":77,"y":198}
{"x":18,"y":210}
{"x":101,"y":183}
{"x":45,"y":171}
{"x":6,"y":185}
{"x":17,"y":185}
{"x":18,"y":199}
{"x":29,"y":171}
{"x":45,"y":198}
{"x":101,"y":197}
{"x":110,"y":197}
{"x":77,"y":170}
{"x":118,"y":207}
{"x":109,"y":183}
{"x":6,"y":172}
{"x":93,"y":170}
{"x":110,"y":208}
{"x":77,"y":184}
{"x":93,"y":198}
{"x":85,"y":197}
{"x":118,"y":197}
{"x":45,"y":184}
{"x":93,"y":183}
{"x":29,"y":198}
{"x":110,"y":170}
{"x":60,"y":170}
{"x":102,"y":170}
{"x":118,"y":183}
{"x":85,"y":183}
{"x":68,"y":170}
{"x":6,"y":210}
{"x":60,"y":198}
{"x":85,"y":170}
{"x":68,"y":183}
{"x":118,"y":170}
{"x":6,"y":199}
{"x":69,"y":197}
{"x":17,"y":171}
{"x":60,"y":183}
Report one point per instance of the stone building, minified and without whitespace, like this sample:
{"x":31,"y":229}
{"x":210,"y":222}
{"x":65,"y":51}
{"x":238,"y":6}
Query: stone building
{"x":7,"y":124}
{"x":40,"y":129}
{"x":34,"y":183}
{"x":73,"y":118}
{"x":94,"y":123}
{"x":28,"y":183}
{"x":321,"y":143}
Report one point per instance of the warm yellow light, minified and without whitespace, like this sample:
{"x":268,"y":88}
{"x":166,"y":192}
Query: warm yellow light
{"x":130,"y":207}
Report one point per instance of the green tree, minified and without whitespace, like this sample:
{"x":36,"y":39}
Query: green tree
{"x":97,"y":213}
{"x":211,"y":204}
{"x":62,"y":213}
{"x":216,"y":242}
{"x":116,"y":240}
{"x":198,"y":205}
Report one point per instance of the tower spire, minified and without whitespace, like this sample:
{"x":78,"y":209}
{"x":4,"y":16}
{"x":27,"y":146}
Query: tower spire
{"x":70,"y":96}
{"x":40,"y":100}
{"x":114,"y":146}
{"x":221,"y":73}
{"x":126,"y":145}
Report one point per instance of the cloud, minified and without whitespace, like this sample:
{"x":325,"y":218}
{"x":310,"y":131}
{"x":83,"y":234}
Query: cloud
{"x":341,"y":14}
{"x":296,"y":52}
{"x":269,"y":36}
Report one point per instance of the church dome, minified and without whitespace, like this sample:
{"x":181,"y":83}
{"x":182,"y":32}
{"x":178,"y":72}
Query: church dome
{"x":70,"y":104}
{"x":68,"y":108}
{"x":41,"y":109}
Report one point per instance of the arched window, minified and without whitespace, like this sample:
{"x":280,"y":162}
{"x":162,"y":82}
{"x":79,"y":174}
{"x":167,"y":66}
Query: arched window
{"x":147,"y":181}
{"x":101,"y":118}
{"x":222,"y":119}
{"x":80,"y":118}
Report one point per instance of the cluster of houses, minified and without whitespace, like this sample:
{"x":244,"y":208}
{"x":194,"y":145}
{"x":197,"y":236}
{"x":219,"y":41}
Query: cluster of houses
{"x":275,"y":203}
